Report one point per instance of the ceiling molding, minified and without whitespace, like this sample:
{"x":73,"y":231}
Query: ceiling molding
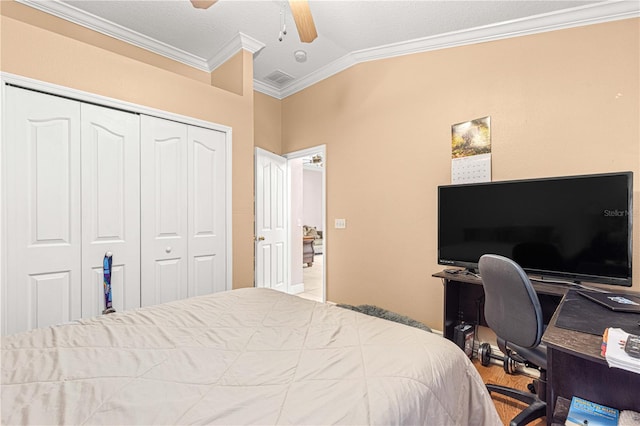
{"x":95,"y":23}
{"x":239,"y":42}
{"x":347,"y":61}
{"x":267,"y":89}
{"x":570,"y":18}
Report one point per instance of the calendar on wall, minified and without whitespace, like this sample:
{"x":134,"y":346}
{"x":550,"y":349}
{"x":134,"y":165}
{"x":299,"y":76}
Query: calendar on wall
{"x":471,"y":151}
{"x":475,"y":168}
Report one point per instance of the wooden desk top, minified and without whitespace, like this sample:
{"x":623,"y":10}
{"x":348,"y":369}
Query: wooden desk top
{"x":583,"y":345}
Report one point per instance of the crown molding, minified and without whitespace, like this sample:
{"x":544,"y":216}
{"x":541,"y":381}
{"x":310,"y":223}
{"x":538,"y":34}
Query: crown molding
{"x":267,"y":89}
{"x":569,"y":18}
{"x":347,"y":61}
{"x":237,"y":43}
{"x":72,"y":14}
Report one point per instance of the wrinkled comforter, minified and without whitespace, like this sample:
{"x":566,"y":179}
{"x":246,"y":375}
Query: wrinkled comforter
{"x":247,"y":356}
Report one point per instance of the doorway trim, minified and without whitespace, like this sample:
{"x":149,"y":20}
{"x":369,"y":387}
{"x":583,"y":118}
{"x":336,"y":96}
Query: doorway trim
{"x":303,"y":153}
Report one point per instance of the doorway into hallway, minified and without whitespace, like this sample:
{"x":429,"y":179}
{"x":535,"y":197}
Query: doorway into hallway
{"x":307,"y":209}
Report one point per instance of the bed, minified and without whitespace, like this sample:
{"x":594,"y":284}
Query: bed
{"x":246,"y":356}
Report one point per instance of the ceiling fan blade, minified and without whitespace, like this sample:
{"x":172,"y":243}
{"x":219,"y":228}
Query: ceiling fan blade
{"x":304,"y":21}
{"x":203,"y":4}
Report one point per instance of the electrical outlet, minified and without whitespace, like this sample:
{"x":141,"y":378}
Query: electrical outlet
{"x":341,"y":223}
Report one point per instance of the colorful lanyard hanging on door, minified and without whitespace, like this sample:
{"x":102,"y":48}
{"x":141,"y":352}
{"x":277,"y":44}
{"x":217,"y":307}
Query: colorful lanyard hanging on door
{"x":106,"y":264}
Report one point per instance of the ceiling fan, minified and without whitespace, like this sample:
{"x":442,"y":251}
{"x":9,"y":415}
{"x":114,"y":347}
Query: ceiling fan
{"x":301,"y":15}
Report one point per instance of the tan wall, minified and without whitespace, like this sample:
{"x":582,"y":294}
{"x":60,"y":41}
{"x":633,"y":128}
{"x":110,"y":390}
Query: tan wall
{"x":268,"y":123}
{"x":229,"y":76}
{"x":561,"y":103}
{"x":38,"y":46}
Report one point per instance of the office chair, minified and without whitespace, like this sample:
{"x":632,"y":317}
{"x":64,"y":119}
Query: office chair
{"x":513,"y":312}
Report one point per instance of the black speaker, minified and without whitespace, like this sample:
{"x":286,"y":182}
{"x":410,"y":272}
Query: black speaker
{"x":463,"y":335}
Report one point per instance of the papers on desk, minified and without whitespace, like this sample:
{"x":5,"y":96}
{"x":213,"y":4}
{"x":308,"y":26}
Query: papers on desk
{"x":621,"y":349}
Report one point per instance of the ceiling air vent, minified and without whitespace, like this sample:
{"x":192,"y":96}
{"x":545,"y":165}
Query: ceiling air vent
{"x":279,"y":78}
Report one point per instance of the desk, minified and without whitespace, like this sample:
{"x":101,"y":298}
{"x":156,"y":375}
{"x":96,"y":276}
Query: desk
{"x":575,"y":368}
{"x":574,"y":364}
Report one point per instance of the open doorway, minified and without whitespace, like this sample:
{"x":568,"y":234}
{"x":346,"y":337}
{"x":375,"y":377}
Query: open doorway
{"x":307,"y":212}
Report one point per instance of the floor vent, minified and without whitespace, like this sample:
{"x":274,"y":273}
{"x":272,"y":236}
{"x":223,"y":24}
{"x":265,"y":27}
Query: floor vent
{"x":279,"y":78}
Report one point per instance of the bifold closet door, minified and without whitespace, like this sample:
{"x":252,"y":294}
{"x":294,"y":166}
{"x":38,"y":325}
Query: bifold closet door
{"x":164,"y":192}
{"x":41,"y":158}
{"x":207,"y":201}
{"x":183,"y":184}
{"x":110,"y":207}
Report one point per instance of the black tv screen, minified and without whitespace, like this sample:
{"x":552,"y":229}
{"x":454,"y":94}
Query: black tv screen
{"x":573,"y":227}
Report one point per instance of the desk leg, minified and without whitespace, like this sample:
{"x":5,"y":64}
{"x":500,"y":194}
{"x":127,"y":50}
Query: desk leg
{"x":551,"y":393}
{"x":451,"y":307}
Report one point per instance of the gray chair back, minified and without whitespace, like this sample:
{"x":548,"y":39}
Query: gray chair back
{"x":512,"y":309}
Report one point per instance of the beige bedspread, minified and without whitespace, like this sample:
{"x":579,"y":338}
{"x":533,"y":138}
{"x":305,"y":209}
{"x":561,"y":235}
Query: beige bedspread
{"x":249,"y":356}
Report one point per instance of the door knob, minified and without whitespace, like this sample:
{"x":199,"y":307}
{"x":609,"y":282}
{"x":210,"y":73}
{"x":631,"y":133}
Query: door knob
{"x":260,"y":238}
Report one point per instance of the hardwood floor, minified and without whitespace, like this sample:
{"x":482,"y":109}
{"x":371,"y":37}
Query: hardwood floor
{"x":507,"y":408}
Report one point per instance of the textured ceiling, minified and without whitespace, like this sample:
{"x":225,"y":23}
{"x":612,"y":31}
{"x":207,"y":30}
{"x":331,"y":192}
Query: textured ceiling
{"x":346,"y":29}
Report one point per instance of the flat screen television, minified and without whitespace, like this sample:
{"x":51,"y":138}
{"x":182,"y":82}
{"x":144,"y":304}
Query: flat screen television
{"x":576,"y":228}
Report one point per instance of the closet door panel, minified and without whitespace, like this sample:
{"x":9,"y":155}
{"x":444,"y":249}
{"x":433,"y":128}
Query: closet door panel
{"x":41,"y":160}
{"x":52,"y":291}
{"x":110,"y":207}
{"x":207,"y":200}
{"x":164,"y":230}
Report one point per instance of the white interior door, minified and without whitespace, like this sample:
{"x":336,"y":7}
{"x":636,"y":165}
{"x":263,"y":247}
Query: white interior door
{"x":110,"y":207}
{"x":271,"y":215}
{"x":207,"y":208}
{"x":164,"y":195}
{"x":42,"y":165}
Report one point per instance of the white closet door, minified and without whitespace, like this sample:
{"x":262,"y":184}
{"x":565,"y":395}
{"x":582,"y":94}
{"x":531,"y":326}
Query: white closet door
{"x":164,"y":233}
{"x":207,"y":200}
{"x":110,"y":207}
{"x":42,"y":165}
